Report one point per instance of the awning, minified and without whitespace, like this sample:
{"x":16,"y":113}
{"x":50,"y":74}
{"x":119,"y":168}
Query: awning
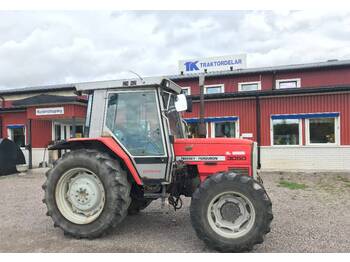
{"x":303,"y":116}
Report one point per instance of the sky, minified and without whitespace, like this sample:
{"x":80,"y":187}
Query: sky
{"x":58,"y":47}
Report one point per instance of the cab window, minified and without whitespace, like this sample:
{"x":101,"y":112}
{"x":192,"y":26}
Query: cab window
{"x":133,"y":118}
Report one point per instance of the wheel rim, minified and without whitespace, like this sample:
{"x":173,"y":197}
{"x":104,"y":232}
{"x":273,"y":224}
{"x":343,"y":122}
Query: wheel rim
{"x":80,"y":196}
{"x":231,"y":214}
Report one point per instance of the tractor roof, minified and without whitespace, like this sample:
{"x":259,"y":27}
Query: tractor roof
{"x":130,"y":83}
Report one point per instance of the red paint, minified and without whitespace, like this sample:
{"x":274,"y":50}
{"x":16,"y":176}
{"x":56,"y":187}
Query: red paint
{"x":243,"y":109}
{"x":12,"y":118}
{"x":310,"y":78}
{"x":112,"y":145}
{"x":246,"y":112}
{"x":306,"y":104}
{"x":41,"y":133}
{"x":224,"y":147}
{"x":70,"y":110}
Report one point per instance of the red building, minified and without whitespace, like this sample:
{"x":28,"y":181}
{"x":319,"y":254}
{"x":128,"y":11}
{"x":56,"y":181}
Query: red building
{"x":299,"y":114}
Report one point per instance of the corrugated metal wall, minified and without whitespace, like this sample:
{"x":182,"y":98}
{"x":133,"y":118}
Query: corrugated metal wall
{"x":306,"y":104}
{"x":312,"y":78}
{"x":245,"y":110}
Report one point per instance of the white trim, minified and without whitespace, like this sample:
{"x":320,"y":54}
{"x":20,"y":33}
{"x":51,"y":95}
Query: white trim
{"x":216,"y":85}
{"x":212,"y":127}
{"x":278,"y":81}
{"x":249,"y":83}
{"x":188,"y":88}
{"x":300,"y":134}
{"x":336,"y":133}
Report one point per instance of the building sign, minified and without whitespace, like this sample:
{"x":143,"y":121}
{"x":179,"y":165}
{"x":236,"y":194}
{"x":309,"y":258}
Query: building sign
{"x":211,"y":64}
{"x":49,"y":111}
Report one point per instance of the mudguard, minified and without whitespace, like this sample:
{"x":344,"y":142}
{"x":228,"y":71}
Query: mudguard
{"x":102,"y":144}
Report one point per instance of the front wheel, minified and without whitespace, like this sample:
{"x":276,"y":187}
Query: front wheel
{"x":230,"y":212}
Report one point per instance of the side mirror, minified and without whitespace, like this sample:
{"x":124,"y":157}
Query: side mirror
{"x":181,"y":103}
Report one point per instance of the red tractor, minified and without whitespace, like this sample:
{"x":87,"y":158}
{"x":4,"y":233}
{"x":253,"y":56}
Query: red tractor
{"x":137,"y":151}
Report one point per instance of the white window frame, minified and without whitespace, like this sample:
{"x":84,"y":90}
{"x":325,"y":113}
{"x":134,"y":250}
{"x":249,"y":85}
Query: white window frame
{"x":9,"y":134}
{"x":278,"y":81}
{"x":188,"y":88}
{"x":212,"y":128}
{"x":336,"y":132}
{"x":300,"y":134}
{"x":217,"y":85}
{"x":240,"y":84}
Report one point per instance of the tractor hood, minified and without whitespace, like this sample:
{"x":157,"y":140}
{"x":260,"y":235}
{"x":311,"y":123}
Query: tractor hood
{"x":212,"y":155}
{"x":236,"y":141}
{"x":213,"y":149}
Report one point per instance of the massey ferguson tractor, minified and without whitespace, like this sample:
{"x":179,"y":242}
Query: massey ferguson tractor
{"x":136,"y":151}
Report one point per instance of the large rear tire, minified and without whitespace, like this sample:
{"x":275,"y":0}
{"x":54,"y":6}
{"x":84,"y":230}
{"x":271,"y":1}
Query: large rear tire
{"x":86,"y":193}
{"x":230,"y":212}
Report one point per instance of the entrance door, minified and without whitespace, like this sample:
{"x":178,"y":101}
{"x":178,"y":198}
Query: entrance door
{"x":60,"y":132}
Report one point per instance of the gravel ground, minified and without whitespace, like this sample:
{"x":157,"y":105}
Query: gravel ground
{"x":313,"y":219}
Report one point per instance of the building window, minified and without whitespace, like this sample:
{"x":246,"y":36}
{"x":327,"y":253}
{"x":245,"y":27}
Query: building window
{"x":16,"y":133}
{"x":214,"y":89}
{"x":224,"y":129}
{"x":286,"y":131}
{"x":249,"y":86}
{"x":186,"y":90}
{"x":288,"y":83}
{"x":322,"y":131}
{"x":193,"y":130}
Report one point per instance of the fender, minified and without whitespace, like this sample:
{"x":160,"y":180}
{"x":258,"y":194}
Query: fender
{"x":102,"y":143}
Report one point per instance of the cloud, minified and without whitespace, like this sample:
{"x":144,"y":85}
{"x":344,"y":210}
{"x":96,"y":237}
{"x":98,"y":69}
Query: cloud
{"x":39,"y":48}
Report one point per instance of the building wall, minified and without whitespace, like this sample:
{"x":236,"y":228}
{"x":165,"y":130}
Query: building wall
{"x":306,"y":104}
{"x":245,"y":109}
{"x":12,"y":118}
{"x":41,"y":133}
{"x":312,"y":159}
{"x":309,"y":79}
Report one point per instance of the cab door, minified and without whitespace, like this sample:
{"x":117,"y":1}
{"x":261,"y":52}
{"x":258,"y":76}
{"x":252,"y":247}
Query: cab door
{"x":133,"y":117}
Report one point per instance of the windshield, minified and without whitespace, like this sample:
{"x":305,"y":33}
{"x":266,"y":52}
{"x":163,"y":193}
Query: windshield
{"x":175,"y":121}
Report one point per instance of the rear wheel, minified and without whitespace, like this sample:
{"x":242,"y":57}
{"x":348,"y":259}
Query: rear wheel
{"x":230,"y":212}
{"x":86,"y":193}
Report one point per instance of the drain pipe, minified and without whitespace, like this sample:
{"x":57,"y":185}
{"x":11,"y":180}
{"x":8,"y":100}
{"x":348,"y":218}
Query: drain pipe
{"x":258,"y":128}
{"x":2,"y":106}
{"x":202,"y":127}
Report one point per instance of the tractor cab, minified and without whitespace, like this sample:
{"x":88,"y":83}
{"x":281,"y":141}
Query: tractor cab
{"x":143,"y":116}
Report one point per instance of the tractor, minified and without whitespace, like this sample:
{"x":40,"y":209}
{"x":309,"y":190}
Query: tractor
{"x":136,"y":150}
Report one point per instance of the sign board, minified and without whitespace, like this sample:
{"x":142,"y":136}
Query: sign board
{"x":247,"y":135}
{"x":212,"y":64}
{"x":49,"y":111}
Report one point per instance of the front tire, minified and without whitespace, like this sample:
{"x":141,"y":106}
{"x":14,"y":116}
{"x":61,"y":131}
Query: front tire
{"x":86,"y":193}
{"x":230,"y":212}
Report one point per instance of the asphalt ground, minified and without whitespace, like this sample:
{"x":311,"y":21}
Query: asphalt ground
{"x":311,"y":214}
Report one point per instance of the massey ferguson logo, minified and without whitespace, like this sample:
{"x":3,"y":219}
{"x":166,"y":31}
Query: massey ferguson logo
{"x":191,"y":66}
{"x":201,"y":158}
